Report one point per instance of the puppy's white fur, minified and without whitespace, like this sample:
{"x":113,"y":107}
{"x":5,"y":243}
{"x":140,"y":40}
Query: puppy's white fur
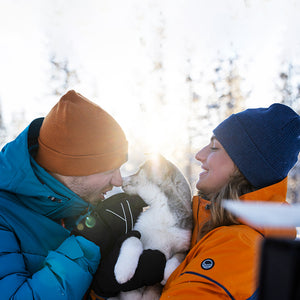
{"x":171,"y":265}
{"x":165,"y":225}
{"x":133,"y":248}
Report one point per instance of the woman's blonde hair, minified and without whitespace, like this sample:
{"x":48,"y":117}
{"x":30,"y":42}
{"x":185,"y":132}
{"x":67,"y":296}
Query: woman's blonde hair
{"x":237,"y":186}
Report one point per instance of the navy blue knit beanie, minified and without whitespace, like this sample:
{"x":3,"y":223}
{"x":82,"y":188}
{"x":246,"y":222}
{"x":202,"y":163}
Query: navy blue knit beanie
{"x":264,"y":143}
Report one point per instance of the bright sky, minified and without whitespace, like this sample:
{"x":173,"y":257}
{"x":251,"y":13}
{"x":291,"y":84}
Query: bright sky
{"x":113,"y":46}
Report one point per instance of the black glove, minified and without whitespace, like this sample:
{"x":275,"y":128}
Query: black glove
{"x":109,"y":220}
{"x":150,"y":270}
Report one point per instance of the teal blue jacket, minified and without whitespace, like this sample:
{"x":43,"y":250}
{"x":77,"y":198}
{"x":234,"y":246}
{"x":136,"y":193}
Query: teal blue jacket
{"x":38,"y":257}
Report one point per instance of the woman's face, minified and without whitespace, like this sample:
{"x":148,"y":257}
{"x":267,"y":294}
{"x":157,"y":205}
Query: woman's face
{"x":217,"y":167}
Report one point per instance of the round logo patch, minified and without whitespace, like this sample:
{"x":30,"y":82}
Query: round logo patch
{"x":207,"y":264}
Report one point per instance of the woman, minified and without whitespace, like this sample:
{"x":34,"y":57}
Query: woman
{"x":248,"y":158}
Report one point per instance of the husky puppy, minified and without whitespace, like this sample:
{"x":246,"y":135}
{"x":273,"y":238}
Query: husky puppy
{"x":165,"y":225}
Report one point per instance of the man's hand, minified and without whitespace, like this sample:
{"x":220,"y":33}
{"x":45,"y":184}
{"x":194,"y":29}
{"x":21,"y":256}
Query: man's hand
{"x":109,"y":220}
{"x":150,"y":270}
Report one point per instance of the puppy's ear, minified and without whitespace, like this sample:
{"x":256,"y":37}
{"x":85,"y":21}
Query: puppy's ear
{"x":155,"y":166}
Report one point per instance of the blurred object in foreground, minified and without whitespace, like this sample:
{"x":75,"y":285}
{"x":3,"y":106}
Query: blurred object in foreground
{"x":279,"y":270}
{"x":266,"y":214}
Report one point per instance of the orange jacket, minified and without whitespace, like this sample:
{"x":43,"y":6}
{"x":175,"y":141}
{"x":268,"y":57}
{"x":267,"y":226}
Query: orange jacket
{"x":224,"y":263}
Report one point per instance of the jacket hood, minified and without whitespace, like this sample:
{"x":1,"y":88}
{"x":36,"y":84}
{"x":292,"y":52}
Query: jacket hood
{"x":273,"y":193}
{"x":18,"y":177}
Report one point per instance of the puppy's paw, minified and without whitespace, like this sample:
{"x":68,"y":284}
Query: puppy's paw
{"x":171,"y":265}
{"x":128,"y":259}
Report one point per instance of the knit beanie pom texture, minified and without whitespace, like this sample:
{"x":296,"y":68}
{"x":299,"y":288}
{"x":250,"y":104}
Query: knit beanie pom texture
{"x":78,"y":138}
{"x":264,"y":143}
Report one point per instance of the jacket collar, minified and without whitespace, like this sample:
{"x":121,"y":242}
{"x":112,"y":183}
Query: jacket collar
{"x":32,"y":185}
{"x":273,"y":193}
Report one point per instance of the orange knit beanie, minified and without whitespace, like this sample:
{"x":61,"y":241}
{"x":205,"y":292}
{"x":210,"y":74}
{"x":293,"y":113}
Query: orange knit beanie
{"x":78,"y":138}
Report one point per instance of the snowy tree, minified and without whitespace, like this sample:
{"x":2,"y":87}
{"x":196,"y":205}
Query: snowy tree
{"x":227,"y":86}
{"x":207,"y":111}
{"x":63,"y":77}
{"x":289,"y":85}
{"x":289,"y":89}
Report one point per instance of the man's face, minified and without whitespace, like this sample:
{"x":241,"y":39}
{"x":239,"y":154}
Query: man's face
{"x":92,"y":188}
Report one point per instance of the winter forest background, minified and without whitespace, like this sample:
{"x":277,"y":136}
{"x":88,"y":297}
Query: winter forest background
{"x":167,"y":70}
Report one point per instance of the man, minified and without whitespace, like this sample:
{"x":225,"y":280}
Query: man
{"x":52,"y":173}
